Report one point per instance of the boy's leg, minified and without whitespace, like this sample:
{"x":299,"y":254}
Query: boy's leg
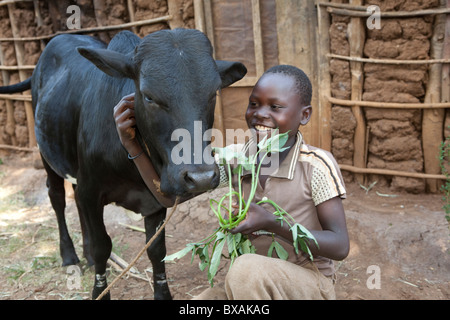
{"x":215,"y":293}
{"x":255,"y":276}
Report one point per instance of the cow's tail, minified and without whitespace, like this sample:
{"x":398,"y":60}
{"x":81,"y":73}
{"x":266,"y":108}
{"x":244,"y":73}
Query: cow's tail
{"x":18,"y":87}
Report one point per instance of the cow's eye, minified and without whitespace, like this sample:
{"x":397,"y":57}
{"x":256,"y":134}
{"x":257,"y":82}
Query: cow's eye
{"x":148,"y":99}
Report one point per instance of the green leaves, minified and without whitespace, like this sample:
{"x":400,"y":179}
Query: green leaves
{"x":180,"y":254}
{"x":275,"y":143}
{"x":281,"y":252}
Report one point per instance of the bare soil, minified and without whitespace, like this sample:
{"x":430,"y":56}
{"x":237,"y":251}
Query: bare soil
{"x":404,"y":237}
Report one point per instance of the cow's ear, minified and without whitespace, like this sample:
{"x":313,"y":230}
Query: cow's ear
{"x":110,"y":62}
{"x":230,"y":71}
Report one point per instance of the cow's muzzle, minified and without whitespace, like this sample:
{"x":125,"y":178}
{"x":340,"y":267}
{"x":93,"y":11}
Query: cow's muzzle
{"x":201,"y":179}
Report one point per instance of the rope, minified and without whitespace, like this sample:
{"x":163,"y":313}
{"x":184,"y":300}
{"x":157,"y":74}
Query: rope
{"x":140,"y":252}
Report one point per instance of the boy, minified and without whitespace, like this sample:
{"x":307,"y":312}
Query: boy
{"x":307,"y":184}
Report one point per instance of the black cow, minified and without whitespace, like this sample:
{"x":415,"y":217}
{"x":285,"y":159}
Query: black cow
{"x":175,"y":81}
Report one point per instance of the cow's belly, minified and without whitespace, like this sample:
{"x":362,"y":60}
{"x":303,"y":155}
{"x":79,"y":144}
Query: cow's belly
{"x":56,"y":141}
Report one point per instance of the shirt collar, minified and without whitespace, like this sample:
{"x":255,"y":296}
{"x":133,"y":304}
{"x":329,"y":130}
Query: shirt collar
{"x":287,"y":167}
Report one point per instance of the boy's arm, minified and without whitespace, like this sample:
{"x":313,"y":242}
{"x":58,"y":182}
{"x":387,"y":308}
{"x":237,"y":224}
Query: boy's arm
{"x":125,"y":122}
{"x":332,"y":239}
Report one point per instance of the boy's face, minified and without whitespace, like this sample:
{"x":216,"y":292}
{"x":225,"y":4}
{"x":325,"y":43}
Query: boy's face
{"x":275,"y":103}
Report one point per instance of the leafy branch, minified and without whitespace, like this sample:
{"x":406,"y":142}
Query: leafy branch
{"x":444,"y":162}
{"x":210,"y":249}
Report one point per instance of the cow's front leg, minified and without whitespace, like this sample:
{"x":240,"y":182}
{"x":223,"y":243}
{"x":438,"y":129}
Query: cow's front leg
{"x":156,"y":253}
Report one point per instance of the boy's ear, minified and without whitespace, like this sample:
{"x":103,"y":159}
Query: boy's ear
{"x":306,"y":115}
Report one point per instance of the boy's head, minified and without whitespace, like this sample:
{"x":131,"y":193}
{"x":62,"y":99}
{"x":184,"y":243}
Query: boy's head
{"x":303,"y":86}
{"x":280,"y":99}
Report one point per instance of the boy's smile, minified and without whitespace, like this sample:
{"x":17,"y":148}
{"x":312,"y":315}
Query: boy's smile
{"x":276,"y":103}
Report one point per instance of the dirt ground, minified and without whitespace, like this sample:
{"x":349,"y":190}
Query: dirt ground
{"x":399,"y":244}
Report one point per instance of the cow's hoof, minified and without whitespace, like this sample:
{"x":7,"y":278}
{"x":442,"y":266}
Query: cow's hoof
{"x":99,"y":286}
{"x":70,"y":260}
{"x":96,"y":292}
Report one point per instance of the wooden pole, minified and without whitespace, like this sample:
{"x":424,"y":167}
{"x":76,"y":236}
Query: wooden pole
{"x":10,"y":122}
{"x":23,"y":76}
{"x":257,"y":38}
{"x":445,"y":80}
{"x":130,"y":8}
{"x":433,"y":120}
{"x":296,"y":23}
{"x":388,"y":172}
{"x":324,"y":104}
{"x":101,"y":18}
{"x":356,"y":31}
{"x":199,"y":16}
{"x":175,"y":10}
{"x":205,"y":20}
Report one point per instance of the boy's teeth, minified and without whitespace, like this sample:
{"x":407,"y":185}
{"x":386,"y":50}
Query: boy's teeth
{"x":262,"y":128}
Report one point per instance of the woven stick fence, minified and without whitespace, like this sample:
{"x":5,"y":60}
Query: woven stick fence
{"x":435,"y":102}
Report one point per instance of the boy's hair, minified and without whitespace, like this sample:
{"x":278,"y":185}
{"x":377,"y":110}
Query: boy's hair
{"x":302,"y":83}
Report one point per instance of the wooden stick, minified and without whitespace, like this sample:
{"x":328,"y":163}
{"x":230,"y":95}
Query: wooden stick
{"x":323,"y":49}
{"x":130,"y":7}
{"x":199,"y":14}
{"x":15,"y":148}
{"x":17,"y":97}
{"x":389,"y":105}
{"x":174,"y":7}
{"x":13,"y":68}
{"x":391,"y":172}
{"x":100,"y":18}
{"x":433,"y":119}
{"x":341,"y":6}
{"x":19,"y":49}
{"x":257,"y":37}
{"x":392,"y":14}
{"x":10,"y":124}
{"x":5,"y":2}
{"x":356,"y":39}
{"x":388,"y":61}
{"x":94,"y":29}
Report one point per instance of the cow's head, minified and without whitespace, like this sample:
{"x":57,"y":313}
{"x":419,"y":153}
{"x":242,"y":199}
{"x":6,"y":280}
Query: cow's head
{"x":176,"y":83}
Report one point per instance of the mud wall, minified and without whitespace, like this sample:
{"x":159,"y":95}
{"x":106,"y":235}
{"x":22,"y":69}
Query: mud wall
{"x":394,"y":136}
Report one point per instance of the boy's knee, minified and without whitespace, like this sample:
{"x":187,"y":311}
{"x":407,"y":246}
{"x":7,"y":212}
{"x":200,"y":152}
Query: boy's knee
{"x":241,"y":269}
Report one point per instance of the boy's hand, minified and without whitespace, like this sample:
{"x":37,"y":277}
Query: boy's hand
{"x":125,"y":124}
{"x":257,"y":219}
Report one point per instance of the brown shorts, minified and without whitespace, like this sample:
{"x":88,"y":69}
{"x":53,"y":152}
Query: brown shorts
{"x":258,"y":277}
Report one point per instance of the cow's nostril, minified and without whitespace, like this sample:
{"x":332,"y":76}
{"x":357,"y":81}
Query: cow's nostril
{"x":200,"y":181}
{"x":189,"y":180}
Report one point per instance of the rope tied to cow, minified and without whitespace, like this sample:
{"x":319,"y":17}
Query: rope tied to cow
{"x":143,"y":250}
